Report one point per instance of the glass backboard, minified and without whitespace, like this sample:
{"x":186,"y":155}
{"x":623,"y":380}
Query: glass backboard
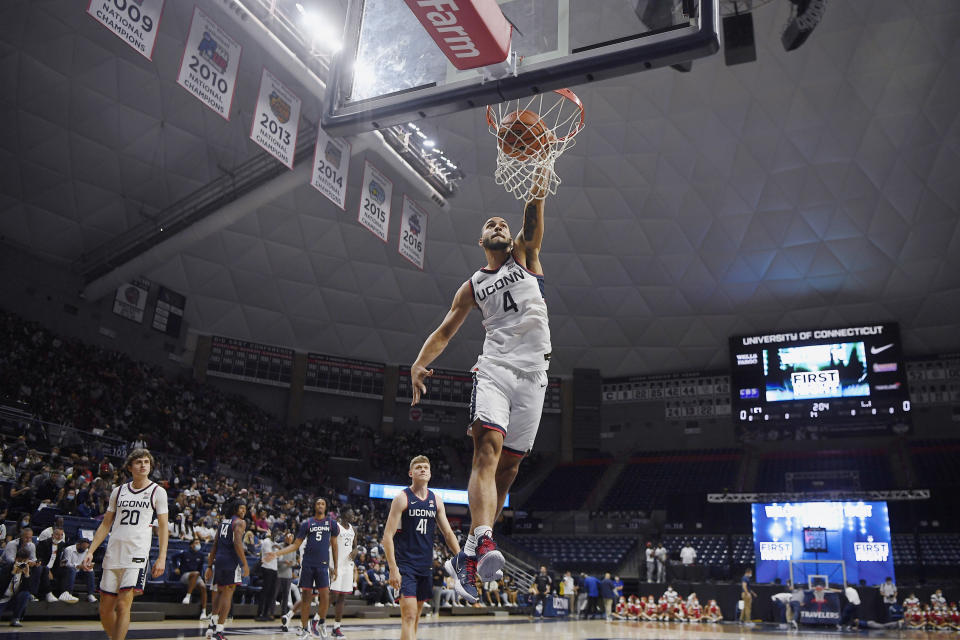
{"x":390,"y":71}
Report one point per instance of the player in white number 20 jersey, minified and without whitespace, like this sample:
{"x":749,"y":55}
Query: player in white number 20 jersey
{"x":128,"y":521}
{"x":509,"y":379}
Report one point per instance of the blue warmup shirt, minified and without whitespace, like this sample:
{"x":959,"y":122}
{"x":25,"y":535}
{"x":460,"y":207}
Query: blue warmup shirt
{"x":317,"y":533}
{"x":592,"y":585}
{"x":606,"y":588}
{"x":413,"y":541}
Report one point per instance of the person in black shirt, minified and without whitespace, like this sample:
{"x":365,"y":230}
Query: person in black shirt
{"x":542,"y":585}
{"x":187,"y":565}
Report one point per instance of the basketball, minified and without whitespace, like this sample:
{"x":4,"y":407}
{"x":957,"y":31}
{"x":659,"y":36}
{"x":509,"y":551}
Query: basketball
{"x":522,"y":135}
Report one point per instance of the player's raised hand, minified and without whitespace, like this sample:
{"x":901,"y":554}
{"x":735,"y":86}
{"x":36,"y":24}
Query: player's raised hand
{"x":417,"y":376}
{"x":159,"y":567}
{"x":394,"y":579}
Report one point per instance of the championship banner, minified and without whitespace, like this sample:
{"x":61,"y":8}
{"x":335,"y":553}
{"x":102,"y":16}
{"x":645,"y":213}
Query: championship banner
{"x":208,"y":68}
{"x":413,"y":232}
{"x":131,"y":299}
{"x":375,"y":201}
{"x":331,"y":164}
{"x":276,"y":119}
{"x":133,"y":21}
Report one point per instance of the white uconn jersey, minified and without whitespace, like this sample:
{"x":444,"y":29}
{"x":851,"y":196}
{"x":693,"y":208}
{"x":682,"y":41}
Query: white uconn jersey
{"x":131,"y":533}
{"x":514,"y":315}
{"x":344,"y":545}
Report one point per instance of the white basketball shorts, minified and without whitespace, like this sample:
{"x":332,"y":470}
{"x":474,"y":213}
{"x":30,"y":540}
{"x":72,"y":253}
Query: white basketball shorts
{"x":344,"y":581}
{"x":113,"y":581}
{"x":510,"y":401}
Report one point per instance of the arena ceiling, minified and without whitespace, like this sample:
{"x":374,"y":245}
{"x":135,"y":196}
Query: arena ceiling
{"x":818,"y":187}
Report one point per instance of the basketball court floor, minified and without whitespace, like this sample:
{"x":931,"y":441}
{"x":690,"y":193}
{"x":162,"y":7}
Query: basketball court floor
{"x":460,"y":628}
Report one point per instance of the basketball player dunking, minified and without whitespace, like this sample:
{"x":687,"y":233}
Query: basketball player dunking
{"x":408,"y":544}
{"x":509,"y":379}
{"x":229,"y":562}
{"x":317,"y":569}
{"x":128,"y":522}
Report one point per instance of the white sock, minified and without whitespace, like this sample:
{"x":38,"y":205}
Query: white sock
{"x":219,"y":628}
{"x":316,"y":617}
{"x":481,"y":531}
{"x":336,"y":625}
{"x":470,"y":548}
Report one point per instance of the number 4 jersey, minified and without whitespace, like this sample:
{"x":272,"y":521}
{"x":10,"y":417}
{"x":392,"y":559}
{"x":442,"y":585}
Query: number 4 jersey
{"x":514,"y":316}
{"x":134,"y":511}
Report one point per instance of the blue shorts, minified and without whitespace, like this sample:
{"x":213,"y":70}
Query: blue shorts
{"x":315,"y":577}
{"x":226,"y":574}
{"x":413,"y":586}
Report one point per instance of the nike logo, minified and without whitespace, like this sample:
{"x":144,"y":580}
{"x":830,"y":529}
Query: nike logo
{"x":875,"y":350}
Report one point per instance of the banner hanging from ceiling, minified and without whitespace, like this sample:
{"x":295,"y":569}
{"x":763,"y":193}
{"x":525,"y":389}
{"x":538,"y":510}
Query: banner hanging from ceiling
{"x":134,"y":21}
{"x":208,"y":68}
{"x":413,"y":232}
{"x":276,"y":119}
{"x":131,"y":299}
{"x":375,"y":197}
{"x":331,"y":164}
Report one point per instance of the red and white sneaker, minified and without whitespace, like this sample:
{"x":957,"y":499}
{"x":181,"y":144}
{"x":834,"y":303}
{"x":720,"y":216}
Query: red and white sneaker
{"x":489,"y":560}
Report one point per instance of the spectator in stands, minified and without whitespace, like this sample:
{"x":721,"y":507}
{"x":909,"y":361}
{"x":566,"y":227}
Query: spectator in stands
{"x":491,"y":593}
{"x":660,"y":555}
{"x":188,"y":568}
{"x":608,"y":595}
{"x":72,"y":559}
{"x":49,"y":555}
{"x":12,"y":549}
{"x":8,"y":472}
{"x":540,"y":588}
{"x":15,"y":586}
{"x":747,"y":595}
{"x":438,"y":573}
{"x":651,"y":561}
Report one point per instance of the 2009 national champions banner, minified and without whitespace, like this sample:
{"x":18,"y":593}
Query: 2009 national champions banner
{"x":209,"y":65}
{"x":134,"y":21}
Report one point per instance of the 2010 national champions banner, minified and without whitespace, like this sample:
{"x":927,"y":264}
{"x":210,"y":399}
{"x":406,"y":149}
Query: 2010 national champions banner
{"x":275,"y":119}
{"x":134,"y":21}
{"x":210,"y":63}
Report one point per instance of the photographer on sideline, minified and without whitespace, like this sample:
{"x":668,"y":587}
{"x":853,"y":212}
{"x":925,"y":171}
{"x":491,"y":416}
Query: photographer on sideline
{"x":16,"y":591}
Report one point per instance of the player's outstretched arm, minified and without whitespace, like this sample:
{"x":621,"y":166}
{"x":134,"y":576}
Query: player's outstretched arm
{"x":389,"y":530}
{"x":438,"y":340}
{"x":448,"y":535}
{"x":530,"y":239}
{"x":290,"y":548}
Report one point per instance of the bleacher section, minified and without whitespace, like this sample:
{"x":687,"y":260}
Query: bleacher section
{"x":567,"y":486}
{"x":871,"y":466}
{"x":935,"y":463}
{"x":653,"y":480}
{"x":579,"y":553}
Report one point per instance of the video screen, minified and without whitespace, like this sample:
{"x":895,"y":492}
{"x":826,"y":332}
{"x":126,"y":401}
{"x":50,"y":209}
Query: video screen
{"x":821,"y":375}
{"x":821,"y":533}
{"x":815,"y":371}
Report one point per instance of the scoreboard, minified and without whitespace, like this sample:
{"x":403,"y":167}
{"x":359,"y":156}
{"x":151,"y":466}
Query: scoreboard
{"x":242,"y":360}
{"x":344,"y":376}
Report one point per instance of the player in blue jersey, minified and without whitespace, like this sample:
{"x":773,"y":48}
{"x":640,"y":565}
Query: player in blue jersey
{"x":414,"y":516}
{"x":317,"y":568}
{"x":227,"y":556}
{"x":509,"y":378}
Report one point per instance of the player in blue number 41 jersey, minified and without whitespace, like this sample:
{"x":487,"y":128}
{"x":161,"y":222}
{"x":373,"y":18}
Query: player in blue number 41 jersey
{"x":408,"y":544}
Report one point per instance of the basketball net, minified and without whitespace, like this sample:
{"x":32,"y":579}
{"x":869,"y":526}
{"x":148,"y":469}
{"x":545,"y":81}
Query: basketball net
{"x":532,"y":177}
